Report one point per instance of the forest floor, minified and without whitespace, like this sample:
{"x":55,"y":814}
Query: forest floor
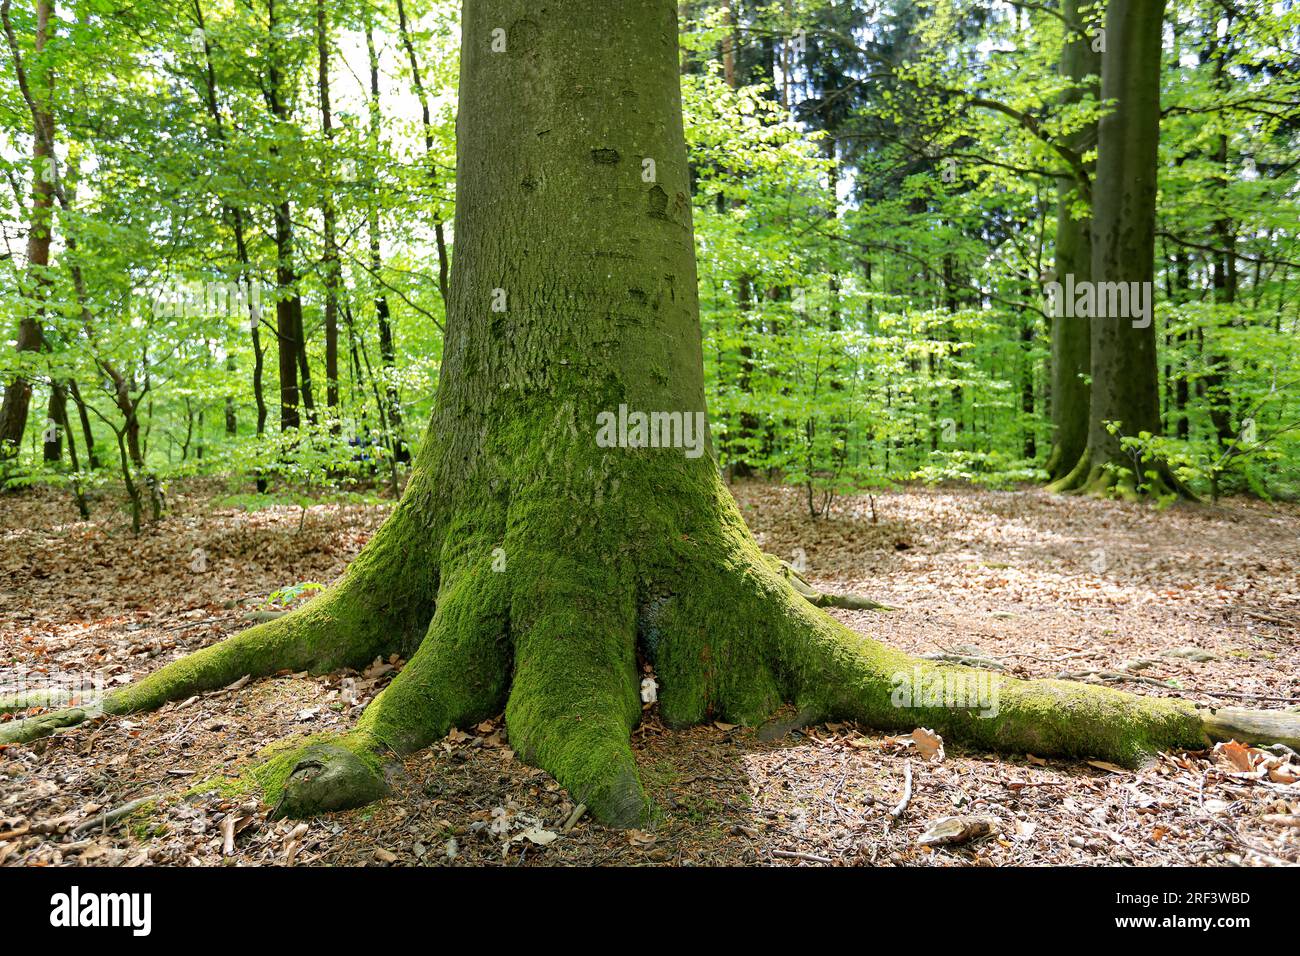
{"x":1198,"y":601}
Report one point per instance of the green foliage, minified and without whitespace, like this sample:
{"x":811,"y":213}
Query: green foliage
{"x":286,"y":597}
{"x":875,"y":189}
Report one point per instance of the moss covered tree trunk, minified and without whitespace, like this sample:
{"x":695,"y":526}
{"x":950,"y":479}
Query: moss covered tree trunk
{"x":1123,"y":340}
{"x":533,"y":564}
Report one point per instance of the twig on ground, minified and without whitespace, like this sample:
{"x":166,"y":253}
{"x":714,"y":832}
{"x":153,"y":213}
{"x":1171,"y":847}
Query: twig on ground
{"x":1113,"y":676}
{"x":112,"y":816}
{"x":574,"y":817}
{"x":899,"y":810}
{"x":796,"y":855}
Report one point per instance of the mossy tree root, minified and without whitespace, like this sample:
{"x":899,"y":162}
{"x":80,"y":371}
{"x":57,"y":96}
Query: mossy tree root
{"x":835,"y":673}
{"x":847,"y":602}
{"x":457,"y":677}
{"x":1089,"y":477}
{"x":372,"y":610}
{"x":575,"y":697}
{"x":554,"y":640}
{"x":570,"y":689}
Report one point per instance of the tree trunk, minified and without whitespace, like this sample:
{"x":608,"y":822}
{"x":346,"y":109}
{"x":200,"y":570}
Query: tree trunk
{"x":330,"y":259}
{"x":387,"y":351}
{"x":36,"y":90}
{"x":52,"y":439}
{"x":439,"y":229}
{"x":535,"y":565}
{"x":92,"y":454}
{"x":288,"y":303}
{"x":1223,"y":266}
{"x":1123,"y":343}
{"x":1071,"y":346}
{"x":235,"y":215}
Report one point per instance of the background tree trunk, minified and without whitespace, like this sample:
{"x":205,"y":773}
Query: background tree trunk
{"x":1123,"y":360}
{"x":52,"y":439}
{"x":1071,"y":339}
{"x":330,"y":258}
{"x":36,"y":88}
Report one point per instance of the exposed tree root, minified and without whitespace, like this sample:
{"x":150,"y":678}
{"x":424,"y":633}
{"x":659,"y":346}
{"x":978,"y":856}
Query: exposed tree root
{"x":42,"y":725}
{"x":1055,"y":465}
{"x":554,"y":639}
{"x":1089,"y":477}
{"x":374,"y":609}
{"x":41,"y":697}
{"x":848,"y":602}
{"x":458,"y":676}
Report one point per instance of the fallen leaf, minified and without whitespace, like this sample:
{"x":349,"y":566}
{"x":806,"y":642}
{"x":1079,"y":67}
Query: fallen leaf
{"x":949,"y":830}
{"x":1238,"y":756}
{"x":1107,"y":766}
{"x":539,"y":836}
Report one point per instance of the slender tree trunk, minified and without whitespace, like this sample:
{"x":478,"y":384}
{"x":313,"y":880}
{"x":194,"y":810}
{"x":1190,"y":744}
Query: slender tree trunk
{"x":387,"y":349}
{"x":439,"y":228}
{"x":52,"y":440}
{"x":92,"y":453}
{"x":232,"y":413}
{"x":78,"y":490}
{"x":1223,"y":266}
{"x":288,"y":304}
{"x":1183,"y":278}
{"x":36,"y":81}
{"x":330,"y":259}
{"x":235,"y":216}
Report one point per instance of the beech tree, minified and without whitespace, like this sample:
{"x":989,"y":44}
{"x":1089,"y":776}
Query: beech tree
{"x":530,"y":567}
{"x":1071,"y":341}
{"x":1124,"y":398}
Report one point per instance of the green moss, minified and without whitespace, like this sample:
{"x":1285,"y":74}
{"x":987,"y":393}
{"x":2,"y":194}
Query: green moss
{"x":575,"y":693}
{"x":142,"y":824}
{"x":380,"y":606}
{"x":228,"y":788}
{"x":321,"y":773}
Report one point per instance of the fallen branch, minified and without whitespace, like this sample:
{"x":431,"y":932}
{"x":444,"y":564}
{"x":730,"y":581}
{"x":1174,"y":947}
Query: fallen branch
{"x":574,"y":817}
{"x":796,"y":855}
{"x":112,"y":816}
{"x":848,"y":602}
{"x":1114,"y":676}
{"x":899,"y":810}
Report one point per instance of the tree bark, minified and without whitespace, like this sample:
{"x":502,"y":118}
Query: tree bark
{"x":439,"y":229}
{"x":330,"y":259}
{"x":1123,"y":360}
{"x":288,"y":303}
{"x":387,"y":350}
{"x":92,"y":453}
{"x":52,"y":439}
{"x":235,"y":216}
{"x":1071,"y":345}
{"x":36,"y":89}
